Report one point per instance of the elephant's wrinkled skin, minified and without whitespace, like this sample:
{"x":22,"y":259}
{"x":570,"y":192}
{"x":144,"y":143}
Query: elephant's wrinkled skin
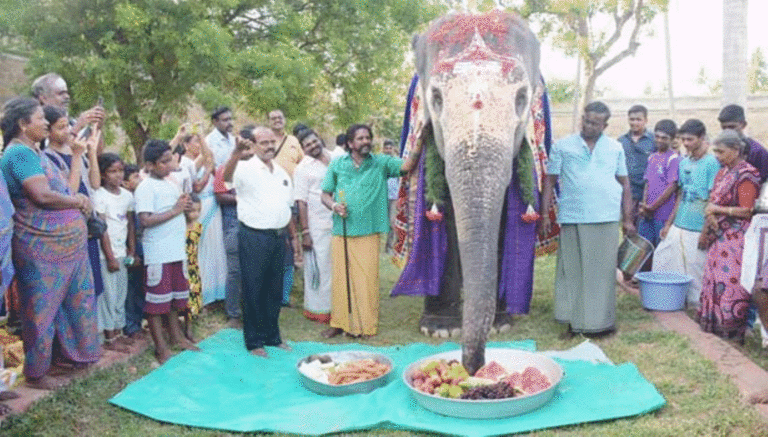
{"x":478,"y":74}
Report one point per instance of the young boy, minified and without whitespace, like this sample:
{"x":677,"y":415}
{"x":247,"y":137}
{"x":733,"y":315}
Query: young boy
{"x":160,"y":205}
{"x":660,"y":184}
{"x":134,"y":300}
{"x":682,"y":247}
{"x":115,"y":204}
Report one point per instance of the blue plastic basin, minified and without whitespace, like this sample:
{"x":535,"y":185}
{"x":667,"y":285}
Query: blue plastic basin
{"x":663,"y":291}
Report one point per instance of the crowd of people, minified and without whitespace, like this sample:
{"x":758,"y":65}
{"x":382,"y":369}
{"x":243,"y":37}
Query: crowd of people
{"x":95,"y":245}
{"x":694,"y":204}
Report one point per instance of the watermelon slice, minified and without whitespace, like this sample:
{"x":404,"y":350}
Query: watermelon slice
{"x":533,"y":381}
{"x":492,"y":370}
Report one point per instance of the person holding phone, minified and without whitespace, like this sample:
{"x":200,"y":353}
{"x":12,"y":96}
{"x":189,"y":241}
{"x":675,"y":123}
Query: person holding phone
{"x":76,"y":159}
{"x":51,"y":90}
{"x":55,"y":284}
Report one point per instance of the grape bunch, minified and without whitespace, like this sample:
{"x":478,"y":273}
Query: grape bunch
{"x":500,"y":390}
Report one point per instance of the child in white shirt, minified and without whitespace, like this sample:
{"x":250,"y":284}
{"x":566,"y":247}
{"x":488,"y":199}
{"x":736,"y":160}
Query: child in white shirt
{"x":115,"y":204}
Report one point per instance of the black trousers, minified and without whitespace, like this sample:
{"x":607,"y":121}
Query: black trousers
{"x":261,"y":253}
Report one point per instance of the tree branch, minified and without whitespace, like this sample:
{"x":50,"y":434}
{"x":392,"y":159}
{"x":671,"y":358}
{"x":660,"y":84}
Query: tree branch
{"x":633,"y":43}
{"x":632,"y":10}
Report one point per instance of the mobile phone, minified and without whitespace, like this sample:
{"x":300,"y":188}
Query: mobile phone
{"x":100,"y":101}
{"x":86,"y":132}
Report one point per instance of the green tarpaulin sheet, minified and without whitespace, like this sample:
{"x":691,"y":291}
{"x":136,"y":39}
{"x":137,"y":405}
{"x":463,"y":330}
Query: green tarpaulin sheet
{"x":224,"y":387}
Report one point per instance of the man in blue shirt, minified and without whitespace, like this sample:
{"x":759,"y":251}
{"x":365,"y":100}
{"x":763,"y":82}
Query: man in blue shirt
{"x":594,"y":189}
{"x":638,"y":145}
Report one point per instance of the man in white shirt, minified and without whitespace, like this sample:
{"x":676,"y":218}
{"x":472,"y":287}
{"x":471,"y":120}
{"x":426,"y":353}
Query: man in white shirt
{"x":264,"y":195}
{"x":316,"y":224}
{"x":220,"y":140}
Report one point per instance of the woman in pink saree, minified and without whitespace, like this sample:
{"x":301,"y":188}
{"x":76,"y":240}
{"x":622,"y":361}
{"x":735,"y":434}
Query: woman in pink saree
{"x":724,"y":301}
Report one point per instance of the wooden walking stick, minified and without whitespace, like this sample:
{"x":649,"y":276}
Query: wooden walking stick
{"x":346,"y":261}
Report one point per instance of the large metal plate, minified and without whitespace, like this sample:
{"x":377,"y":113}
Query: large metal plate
{"x":346,"y":389}
{"x":514,"y":361}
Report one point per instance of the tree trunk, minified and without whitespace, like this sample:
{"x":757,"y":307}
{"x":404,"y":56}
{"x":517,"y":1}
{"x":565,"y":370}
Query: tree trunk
{"x":668,"y":50}
{"x":129,"y":116}
{"x":735,"y":52}
{"x":576,"y":95}
{"x":589,"y":84}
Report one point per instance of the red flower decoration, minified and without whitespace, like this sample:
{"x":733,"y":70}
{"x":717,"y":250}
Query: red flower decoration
{"x":530,"y":215}
{"x":434,"y":214}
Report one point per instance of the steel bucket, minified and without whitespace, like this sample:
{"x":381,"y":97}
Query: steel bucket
{"x":633,"y":253}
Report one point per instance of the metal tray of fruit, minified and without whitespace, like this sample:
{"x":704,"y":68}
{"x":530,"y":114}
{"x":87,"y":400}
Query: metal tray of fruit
{"x":339,"y":357}
{"x":512,"y":360}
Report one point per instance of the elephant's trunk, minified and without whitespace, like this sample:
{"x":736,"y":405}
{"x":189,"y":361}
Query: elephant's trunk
{"x":478,"y":172}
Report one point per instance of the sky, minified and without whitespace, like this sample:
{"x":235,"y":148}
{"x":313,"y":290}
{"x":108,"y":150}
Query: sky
{"x":696,"y":31}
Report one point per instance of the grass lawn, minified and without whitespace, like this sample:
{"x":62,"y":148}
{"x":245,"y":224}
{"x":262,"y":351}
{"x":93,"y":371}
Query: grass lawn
{"x":700,"y":401}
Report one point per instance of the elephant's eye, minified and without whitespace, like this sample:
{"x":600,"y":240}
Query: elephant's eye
{"x":437,"y":100}
{"x":521,"y":100}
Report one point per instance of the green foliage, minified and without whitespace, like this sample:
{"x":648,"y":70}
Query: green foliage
{"x":144,"y":56}
{"x":561,"y":91}
{"x":210,"y":97}
{"x":758,"y":72}
{"x":436,"y":186}
{"x":524,"y":171}
{"x":334,"y":62}
{"x":10,"y":38}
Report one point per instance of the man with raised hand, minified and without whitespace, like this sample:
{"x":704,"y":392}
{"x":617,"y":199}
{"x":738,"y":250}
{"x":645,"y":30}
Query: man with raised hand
{"x":264,"y":195}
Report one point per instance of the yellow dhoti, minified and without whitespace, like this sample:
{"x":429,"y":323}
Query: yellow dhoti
{"x":363,"y":256}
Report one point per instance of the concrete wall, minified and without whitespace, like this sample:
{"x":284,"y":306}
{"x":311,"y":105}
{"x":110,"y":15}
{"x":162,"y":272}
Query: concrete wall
{"x":705,"y":109}
{"x":13,"y":81}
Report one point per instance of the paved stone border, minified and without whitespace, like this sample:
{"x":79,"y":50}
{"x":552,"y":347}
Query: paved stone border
{"x":746,"y":375}
{"x":28,"y":396}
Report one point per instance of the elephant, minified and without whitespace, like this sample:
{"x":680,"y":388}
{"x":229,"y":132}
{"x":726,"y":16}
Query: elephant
{"x":478,"y":77}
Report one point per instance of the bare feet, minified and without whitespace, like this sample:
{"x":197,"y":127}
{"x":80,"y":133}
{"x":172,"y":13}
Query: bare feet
{"x":68,"y":370}
{"x":126,"y":341}
{"x":163,"y":356}
{"x":44,"y":383}
{"x":760,"y":397}
{"x":190,"y":336}
{"x":235,"y":323}
{"x":331,"y":332}
{"x":284,"y":346}
{"x":568,"y":334}
{"x":259,"y":352}
{"x":117,"y":346}
{"x":187,"y":345}
{"x":137,"y":336}
{"x":8,"y":395}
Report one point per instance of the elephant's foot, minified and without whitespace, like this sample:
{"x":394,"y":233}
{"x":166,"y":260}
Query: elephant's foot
{"x":501,"y":323}
{"x":437,"y":326}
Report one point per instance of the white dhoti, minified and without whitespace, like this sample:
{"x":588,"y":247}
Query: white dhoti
{"x":211,"y":254}
{"x":679,"y":252}
{"x":317,"y":290}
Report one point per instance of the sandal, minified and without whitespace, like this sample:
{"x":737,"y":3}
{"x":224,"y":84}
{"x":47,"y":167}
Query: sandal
{"x":331,"y":332}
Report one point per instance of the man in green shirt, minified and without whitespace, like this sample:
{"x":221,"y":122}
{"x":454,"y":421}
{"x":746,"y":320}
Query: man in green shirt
{"x":355,"y":189}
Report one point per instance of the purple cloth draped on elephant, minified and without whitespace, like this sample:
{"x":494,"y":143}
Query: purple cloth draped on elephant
{"x":423,"y":272}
